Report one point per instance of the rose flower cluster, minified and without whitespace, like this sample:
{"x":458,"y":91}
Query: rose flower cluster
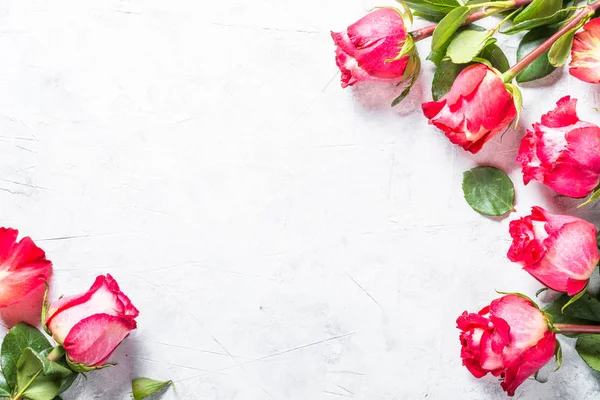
{"x":511,"y":338}
{"x":86,"y":327}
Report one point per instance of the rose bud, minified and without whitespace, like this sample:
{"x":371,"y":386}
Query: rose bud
{"x":477,"y":107}
{"x":585,"y":53}
{"x":509,"y":338}
{"x":23,"y":267}
{"x":562,"y":151}
{"x":91,"y":325}
{"x":366,"y":49}
{"x":558,"y":250}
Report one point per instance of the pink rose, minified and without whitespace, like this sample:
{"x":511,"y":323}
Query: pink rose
{"x":477,"y":107}
{"x":562,"y":151}
{"x":585,"y":53}
{"x":23,"y":267}
{"x":510,"y":338}
{"x":363,"y":51}
{"x":91,"y":325}
{"x":558,"y":250}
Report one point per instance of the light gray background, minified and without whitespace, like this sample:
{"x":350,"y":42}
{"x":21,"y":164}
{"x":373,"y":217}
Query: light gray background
{"x":282,"y":237}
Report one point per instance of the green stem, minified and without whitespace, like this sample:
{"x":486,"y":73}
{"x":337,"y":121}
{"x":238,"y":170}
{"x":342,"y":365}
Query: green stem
{"x":56,"y":353}
{"x":572,"y":328}
{"x":427,"y":31}
{"x":544,"y":47}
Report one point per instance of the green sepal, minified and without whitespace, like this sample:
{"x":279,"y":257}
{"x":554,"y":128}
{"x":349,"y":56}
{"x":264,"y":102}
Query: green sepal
{"x":145,"y":387}
{"x":38,"y":378}
{"x":407,"y":15}
{"x":558,"y":355}
{"x":542,"y":290}
{"x":81,"y":368}
{"x":408,"y":48}
{"x":45,"y":308}
{"x":411,"y":73}
{"x":575,"y":298}
{"x":517,"y":98}
{"x":595,"y":195}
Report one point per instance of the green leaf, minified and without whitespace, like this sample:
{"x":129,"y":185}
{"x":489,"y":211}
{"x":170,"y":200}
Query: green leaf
{"x":541,"y":67}
{"x":444,"y":31}
{"x":538,"y":9}
{"x":554,"y":311}
{"x":144,"y":387}
{"x":20,"y":337}
{"x":588,"y":347}
{"x":496,"y":57}
{"x":587,"y":307}
{"x":38,"y":378}
{"x":560,"y":50}
{"x":444,"y":77}
{"x":489,"y":191}
{"x":467,"y":45}
{"x":429,"y":17}
{"x":4,"y":388}
{"x":68,"y":381}
{"x":558,"y":17}
{"x":437,"y":8}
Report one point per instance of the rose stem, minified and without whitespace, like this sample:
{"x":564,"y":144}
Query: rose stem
{"x":544,"y":47}
{"x":427,"y":31}
{"x":572,"y":328}
{"x":56,"y":353}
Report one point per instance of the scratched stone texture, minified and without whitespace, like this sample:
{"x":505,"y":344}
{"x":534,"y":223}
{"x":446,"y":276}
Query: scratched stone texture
{"x":282,"y":237}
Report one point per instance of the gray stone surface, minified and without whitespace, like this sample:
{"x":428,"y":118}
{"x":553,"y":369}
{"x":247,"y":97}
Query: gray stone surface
{"x":282,"y":237}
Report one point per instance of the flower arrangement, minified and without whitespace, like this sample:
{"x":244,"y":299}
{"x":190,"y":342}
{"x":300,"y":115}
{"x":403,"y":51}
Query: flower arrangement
{"x":87,"y":328}
{"x":475,"y":96}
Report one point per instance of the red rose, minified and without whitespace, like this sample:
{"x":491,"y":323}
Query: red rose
{"x":558,"y":250}
{"x":477,"y":107}
{"x":363,"y":51}
{"x":585,"y":53}
{"x":23,"y":267}
{"x":562,"y":151}
{"x":510,"y":338}
{"x":91,"y":325}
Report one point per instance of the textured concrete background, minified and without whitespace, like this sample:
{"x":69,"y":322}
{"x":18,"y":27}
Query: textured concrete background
{"x":282,"y":237}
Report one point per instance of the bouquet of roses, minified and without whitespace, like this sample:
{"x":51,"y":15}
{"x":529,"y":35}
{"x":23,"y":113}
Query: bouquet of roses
{"x":475,"y":96}
{"x":87,"y":328}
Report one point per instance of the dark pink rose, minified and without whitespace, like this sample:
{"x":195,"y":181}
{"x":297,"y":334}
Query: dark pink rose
{"x":365,"y":49}
{"x":23,"y":267}
{"x":510,"y":338}
{"x":558,"y":250}
{"x":476,"y":108}
{"x":562,"y":151}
